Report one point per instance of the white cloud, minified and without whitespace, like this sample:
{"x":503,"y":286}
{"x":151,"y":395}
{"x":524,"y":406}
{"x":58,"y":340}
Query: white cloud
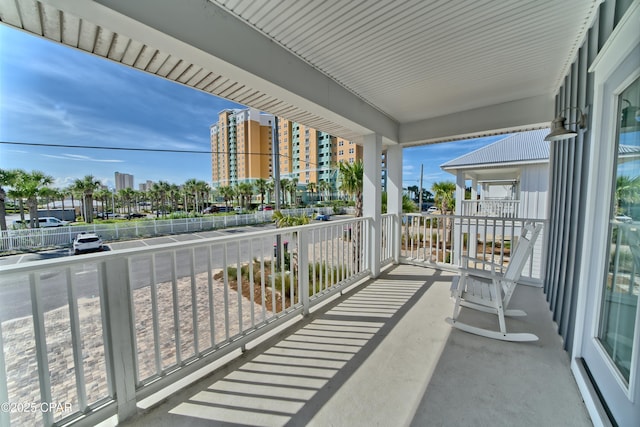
{"x":81,"y":158}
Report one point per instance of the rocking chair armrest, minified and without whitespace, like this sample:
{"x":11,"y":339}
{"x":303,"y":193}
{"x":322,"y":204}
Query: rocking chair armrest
{"x":482,"y":274}
{"x":493,"y":265}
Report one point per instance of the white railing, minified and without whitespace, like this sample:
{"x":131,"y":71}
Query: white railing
{"x":26,"y":239}
{"x":388,"y":239}
{"x":90,"y":336}
{"x":499,"y":208}
{"x":441,"y":240}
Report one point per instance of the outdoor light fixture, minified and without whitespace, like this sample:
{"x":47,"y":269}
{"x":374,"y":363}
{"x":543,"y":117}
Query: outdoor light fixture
{"x":558,"y":131}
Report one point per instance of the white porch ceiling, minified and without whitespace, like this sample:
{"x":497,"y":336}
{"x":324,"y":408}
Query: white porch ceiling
{"x":404,"y":69}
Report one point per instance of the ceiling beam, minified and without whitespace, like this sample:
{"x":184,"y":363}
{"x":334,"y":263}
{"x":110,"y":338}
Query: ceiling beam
{"x":523,"y":114}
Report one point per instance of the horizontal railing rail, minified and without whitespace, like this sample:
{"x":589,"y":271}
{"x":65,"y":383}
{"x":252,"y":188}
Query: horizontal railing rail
{"x":27,"y":239}
{"x":499,"y":208}
{"x":444,"y":241}
{"x":90,"y":336}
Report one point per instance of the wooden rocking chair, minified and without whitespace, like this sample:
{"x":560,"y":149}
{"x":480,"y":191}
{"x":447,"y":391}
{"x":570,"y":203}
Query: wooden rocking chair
{"x":490,"y":291}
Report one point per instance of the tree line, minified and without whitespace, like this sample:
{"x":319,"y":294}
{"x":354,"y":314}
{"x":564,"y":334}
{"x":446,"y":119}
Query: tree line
{"x":28,"y":189}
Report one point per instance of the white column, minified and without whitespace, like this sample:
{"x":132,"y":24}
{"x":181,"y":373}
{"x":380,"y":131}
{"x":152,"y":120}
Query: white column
{"x":372,"y":197}
{"x":473,"y":229}
{"x":457,"y":222}
{"x":394,"y":195}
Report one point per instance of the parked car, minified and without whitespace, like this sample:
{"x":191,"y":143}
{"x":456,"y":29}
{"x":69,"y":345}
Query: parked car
{"x":136,"y":215}
{"x":433,"y":210}
{"x":623,"y":218}
{"x":322,"y":217}
{"x":86,"y":242}
{"x":211,"y":209}
{"x":44,"y":222}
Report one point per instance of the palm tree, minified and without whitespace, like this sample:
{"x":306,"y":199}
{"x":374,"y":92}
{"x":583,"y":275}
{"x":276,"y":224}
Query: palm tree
{"x":270,"y":190}
{"x":324,"y":187}
{"x":294,"y":191}
{"x":627,"y":192}
{"x":87,"y":186}
{"x":7,"y":179}
{"x":227,"y":192}
{"x":30,"y":185}
{"x":190,"y":191}
{"x":352,"y":176}
{"x":174,"y":194}
{"x":127,"y":195}
{"x":262,"y":187}
{"x":245,"y":191}
{"x":162,"y":189}
{"x":49,"y":194}
{"x":203,"y":194}
{"x":413,"y":192}
{"x":69,"y":191}
{"x":103,"y":195}
{"x":311,"y":188}
{"x":444,"y":195}
{"x":284,"y":189}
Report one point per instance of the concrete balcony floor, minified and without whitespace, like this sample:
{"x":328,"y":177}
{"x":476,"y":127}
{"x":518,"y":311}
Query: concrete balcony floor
{"x":383,"y":355}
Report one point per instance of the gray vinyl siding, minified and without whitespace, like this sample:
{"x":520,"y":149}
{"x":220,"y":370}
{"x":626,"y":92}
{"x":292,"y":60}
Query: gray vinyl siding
{"x":568,"y":178}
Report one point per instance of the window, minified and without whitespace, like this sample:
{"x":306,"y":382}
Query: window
{"x":620,"y":291}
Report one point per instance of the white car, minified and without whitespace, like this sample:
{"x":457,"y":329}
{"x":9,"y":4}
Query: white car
{"x":87,"y":242}
{"x":433,"y":210}
{"x":43,"y":222}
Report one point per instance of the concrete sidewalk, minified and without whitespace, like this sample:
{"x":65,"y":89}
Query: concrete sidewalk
{"x":383,"y":355}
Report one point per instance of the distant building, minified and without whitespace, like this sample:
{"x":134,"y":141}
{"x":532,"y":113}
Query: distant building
{"x":241,"y":147}
{"x":123,"y":180}
{"x":311,"y":156}
{"x":145,"y":186}
{"x":242,"y":150}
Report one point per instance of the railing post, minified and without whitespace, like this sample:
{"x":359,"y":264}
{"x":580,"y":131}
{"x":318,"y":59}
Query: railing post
{"x":119,"y":320}
{"x":303,"y":270}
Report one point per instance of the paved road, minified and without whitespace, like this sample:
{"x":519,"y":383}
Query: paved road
{"x":15,"y":299}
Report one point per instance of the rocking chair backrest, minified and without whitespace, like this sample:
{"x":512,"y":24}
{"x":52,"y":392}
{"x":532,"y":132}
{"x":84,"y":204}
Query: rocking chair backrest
{"x":522,"y":251}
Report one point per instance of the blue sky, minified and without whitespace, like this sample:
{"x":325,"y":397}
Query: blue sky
{"x":52,"y":94}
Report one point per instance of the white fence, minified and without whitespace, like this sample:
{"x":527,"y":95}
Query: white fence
{"x":26,"y":239}
{"x":98,"y":333}
{"x":441,"y":240}
{"x":499,"y":208}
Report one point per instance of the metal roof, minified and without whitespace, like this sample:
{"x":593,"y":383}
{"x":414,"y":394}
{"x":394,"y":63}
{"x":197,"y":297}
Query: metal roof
{"x":519,"y":148}
{"x":402,"y":69}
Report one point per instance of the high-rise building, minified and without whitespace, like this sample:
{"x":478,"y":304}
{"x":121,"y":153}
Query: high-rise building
{"x":241,"y":147}
{"x":311,"y":156}
{"x":145,"y":186}
{"x":123,"y":180}
{"x":306,"y":154}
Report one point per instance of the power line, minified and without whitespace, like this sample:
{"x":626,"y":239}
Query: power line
{"x":149,"y":150}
